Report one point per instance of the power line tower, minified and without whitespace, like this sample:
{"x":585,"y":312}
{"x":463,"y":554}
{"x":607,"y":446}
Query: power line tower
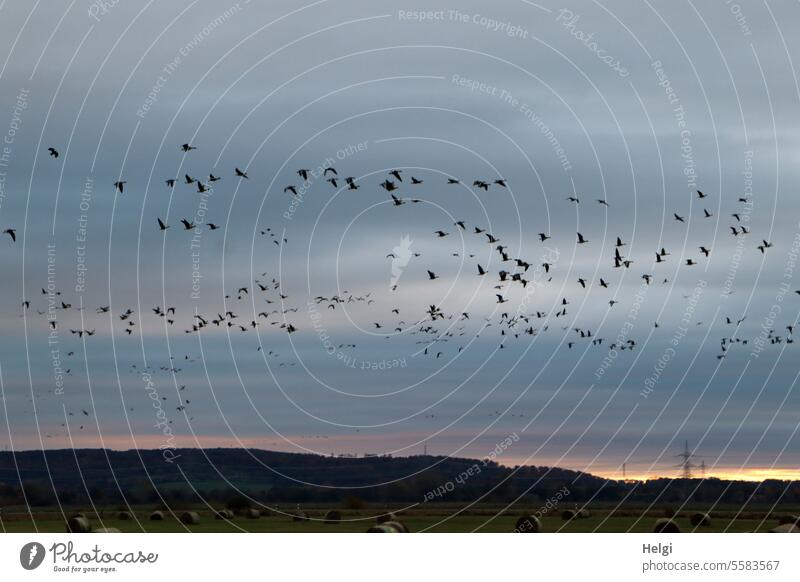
{"x":686,"y":465}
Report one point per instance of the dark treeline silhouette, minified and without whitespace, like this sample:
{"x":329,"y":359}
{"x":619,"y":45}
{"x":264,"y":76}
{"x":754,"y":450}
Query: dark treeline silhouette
{"x":242,"y":476}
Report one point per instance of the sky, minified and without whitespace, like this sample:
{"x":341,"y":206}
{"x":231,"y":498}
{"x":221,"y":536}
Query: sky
{"x":635,"y":104}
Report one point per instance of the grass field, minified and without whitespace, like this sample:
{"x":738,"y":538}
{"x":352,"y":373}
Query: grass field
{"x":419,"y":520}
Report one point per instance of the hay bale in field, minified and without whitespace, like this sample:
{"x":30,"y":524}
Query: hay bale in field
{"x":333,"y":516}
{"x":568,"y":515}
{"x":106,"y":530}
{"x":382,"y":529}
{"x":190,"y":518}
{"x":528,"y":524}
{"x":252,"y":513}
{"x":78,"y":524}
{"x":792,"y":519}
{"x":700,"y":520}
{"x":124,"y":515}
{"x":223,"y":514}
{"x":399,"y":527}
{"x":300,"y":516}
{"x":584,"y":513}
{"x":665,"y":525}
{"x":386,"y":517}
{"x":785,"y":528}
{"x":157,"y":516}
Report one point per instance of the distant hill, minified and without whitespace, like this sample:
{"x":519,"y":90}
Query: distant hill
{"x":41,"y":478}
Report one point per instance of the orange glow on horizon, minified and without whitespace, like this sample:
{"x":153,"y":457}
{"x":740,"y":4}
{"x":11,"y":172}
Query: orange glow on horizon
{"x":727,"y":473}
{"x":724,"y":473}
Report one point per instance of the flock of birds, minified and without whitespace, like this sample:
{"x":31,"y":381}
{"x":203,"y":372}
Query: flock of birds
{"x":431,"y":326}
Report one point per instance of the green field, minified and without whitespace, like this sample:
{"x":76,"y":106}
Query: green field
{"x":484,"y":519}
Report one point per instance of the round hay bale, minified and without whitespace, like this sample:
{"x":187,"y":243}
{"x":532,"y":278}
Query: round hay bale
{"x":78,"y":524}
{"x":665,"y":525}
{"x":528,"y":524}
{"x":252,"y":513}
{"x":80,"y":514}
{"x":124,"y":515}
{"x":584,"y":514}
{"x":106,"y":530}
{"x":300,"y":516}
{"x":568,"y":515}
{"x":382,"y":529}
{"x":792,"y":519}
{"x":397,"y":526}
{"x":785,"y":528}
{"x":333,"y":516}
{"x":223,"y":514}
{"x":700,"y":520}
{"x":386,"y":517}
{"x":190,"y":518}
{"x":157,"y":516}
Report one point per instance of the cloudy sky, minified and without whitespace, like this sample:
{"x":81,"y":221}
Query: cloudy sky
{"x":635,"y":104}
